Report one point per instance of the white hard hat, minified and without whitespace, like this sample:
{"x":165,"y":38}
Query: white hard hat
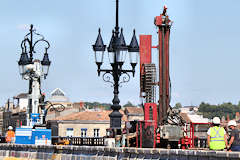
{"x":232,"y":123}
{"x":216,"y":120}
{"x":10,"y":127}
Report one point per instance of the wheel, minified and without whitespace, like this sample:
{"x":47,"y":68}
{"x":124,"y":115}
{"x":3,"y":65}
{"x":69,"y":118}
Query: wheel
{"x":148,"y":82}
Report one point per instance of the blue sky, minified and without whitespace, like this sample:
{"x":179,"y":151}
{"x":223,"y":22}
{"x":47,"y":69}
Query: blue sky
{"x":204,"y":51}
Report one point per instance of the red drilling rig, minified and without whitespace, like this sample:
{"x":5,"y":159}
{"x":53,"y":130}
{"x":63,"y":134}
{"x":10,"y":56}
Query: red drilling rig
{"x":162,"y":127}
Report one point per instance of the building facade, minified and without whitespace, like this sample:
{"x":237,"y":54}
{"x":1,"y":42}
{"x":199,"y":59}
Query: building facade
{"x":88,"y":123}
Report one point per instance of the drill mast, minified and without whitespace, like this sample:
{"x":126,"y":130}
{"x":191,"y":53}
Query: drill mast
{"x":164,"y":24}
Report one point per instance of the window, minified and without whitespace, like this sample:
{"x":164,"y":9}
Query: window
{"x":84,"y":132}
{"x":96,"y":132}
{"x":69,"y":132}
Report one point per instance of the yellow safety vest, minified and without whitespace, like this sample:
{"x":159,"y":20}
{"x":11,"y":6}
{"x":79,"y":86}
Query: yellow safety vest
{"x":217,"y":138}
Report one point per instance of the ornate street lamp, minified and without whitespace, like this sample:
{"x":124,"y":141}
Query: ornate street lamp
{"x":25,"y":60}
{"x":117,"y":50}
{"x":33,"y":69}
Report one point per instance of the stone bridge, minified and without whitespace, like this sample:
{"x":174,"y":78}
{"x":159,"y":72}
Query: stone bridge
{"x":14,"y":151}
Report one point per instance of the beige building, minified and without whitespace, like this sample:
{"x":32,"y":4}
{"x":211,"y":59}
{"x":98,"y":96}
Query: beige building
{"x":85,"y":124}
{"x":20,"y":106}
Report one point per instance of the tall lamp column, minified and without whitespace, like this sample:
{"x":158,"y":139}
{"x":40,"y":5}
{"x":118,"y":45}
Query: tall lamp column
{"x":117,"y":50}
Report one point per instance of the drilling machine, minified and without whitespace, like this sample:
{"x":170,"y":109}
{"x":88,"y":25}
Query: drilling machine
{"x":162,"y":127}
{"x":33,"y":70}
{"x":35,"y":131}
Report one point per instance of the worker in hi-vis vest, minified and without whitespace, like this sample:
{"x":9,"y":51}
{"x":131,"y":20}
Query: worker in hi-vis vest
{"x":217,"y":136}
{"x":10,"y":135}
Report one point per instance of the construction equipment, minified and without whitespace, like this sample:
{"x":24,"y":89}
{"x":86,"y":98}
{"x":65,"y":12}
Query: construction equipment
{"x":162,"y":127}
{"x":195,"y":135}
{"x":35,"y":131}
{"x":148,"y":81}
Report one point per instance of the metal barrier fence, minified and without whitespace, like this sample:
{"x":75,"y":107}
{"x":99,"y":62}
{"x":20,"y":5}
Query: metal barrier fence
{"x":80,"y":141}
{"x":2,"y":139}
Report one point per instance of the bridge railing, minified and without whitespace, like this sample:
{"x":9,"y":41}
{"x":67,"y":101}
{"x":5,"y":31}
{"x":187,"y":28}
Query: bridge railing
{"x":111,"y":153}
{"x":200,"y":143}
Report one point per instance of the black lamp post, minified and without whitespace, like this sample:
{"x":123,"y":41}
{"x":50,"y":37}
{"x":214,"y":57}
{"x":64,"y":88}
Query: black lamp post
{"x":117,"y":50}
{"x":28,"y":44}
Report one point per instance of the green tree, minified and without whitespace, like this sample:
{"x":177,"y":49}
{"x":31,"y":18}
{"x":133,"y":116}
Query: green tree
{"x":92,"y":105}
{"x":224,"y":109}
{"x":129,"y":104}
{"x":178,"y":105}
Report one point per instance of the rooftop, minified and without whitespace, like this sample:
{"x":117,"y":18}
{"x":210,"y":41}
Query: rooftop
{"x":21,"y":95}
{"x":90,"y":115}
{"x":194,"y":118}
{"x":134,"y":111}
